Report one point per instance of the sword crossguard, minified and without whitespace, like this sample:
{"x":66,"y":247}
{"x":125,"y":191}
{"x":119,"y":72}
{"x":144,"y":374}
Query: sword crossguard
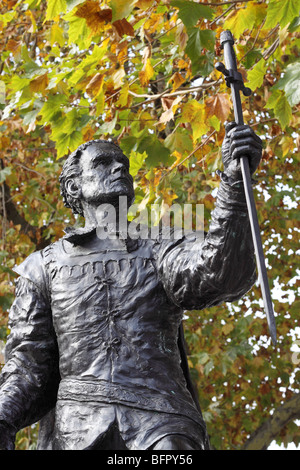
{"x":232,"y":76}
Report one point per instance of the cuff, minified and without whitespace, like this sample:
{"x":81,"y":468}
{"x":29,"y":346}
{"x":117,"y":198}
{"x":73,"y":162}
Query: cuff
{"x":231,"y":197}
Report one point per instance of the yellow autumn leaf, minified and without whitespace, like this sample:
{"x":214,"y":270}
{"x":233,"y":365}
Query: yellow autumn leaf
{"x":95,"y":85}
{"x":218,"y":105}
{"x":33,"y":27}
{"x":146,"y":73}
{"x":14,"y":46}
{"x":177,"y":79}
{"x":194,"y":112}
{"x":118,"y":76}
{"x":245,"y":19}
{"x":121,"y":8}
{"x":226,"y":329}
{"x":123,"y":96}
{"x":123,"y":27}
{"x":144,"y":4}
{"x":169,"y":113}
{"x":56,"y":35}
{"x":95,"y":17}
{"x":39,"y":84}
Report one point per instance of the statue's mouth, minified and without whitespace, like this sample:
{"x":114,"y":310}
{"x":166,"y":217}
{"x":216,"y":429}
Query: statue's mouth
{"x":122,"y":178}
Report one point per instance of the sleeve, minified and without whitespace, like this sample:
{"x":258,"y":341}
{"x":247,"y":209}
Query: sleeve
{"x":202,"y":271}
{"x":29,"y":378}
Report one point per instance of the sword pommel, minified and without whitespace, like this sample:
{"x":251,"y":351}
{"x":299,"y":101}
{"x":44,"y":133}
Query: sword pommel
{"x":226,"y":36}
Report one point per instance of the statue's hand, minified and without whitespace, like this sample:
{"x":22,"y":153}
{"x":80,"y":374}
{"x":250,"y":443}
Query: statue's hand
{"x":7,"y":437}
{"x":240,"y":141}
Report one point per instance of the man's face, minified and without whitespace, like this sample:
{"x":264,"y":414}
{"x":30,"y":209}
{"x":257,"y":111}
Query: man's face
{"x":106,"y":177}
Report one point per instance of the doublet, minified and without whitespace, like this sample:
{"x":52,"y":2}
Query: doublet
{"x":96,"y":322}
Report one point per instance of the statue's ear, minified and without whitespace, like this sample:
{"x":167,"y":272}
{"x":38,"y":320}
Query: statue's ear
{"x":73,"y":188}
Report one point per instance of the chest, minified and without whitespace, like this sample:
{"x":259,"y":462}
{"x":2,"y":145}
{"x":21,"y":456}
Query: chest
{"x":102,"y":288}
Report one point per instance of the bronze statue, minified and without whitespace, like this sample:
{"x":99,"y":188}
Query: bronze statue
{"x":96,"y":351}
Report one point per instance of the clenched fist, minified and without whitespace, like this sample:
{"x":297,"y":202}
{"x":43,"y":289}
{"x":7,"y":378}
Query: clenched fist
{"x":240,"y":141}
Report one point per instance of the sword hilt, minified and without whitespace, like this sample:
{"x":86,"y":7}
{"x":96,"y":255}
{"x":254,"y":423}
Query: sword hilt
{"x":232,"y":76}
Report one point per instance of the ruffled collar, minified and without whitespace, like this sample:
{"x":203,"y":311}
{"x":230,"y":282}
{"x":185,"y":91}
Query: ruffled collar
{"x":77,"y":235}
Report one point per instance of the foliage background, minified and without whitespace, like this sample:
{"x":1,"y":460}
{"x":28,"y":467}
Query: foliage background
{"x":142,"y":73}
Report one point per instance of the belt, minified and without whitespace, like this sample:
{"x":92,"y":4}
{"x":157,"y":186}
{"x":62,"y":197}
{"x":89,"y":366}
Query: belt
{"x":144,"y":398}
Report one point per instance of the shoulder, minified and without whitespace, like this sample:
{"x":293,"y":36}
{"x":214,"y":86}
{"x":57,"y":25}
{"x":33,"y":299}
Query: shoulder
{"x":34,"y":267}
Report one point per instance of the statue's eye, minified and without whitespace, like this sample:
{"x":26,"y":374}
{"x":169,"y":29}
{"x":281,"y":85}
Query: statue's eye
{"x":101,"y":161}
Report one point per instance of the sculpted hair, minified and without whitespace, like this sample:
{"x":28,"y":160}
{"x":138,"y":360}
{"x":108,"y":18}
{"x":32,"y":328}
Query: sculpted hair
{"x":72,"y":169}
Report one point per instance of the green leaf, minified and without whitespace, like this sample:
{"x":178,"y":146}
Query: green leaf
{"x":255,"y":76}
{"x":294,"y":24}
{"x":190,"y":12}
{"x":73,"y":3}
{"x":52,"y":107}
{"x":4,"y":173}
{"x":199,"y":40}
{"x":68,"y":143}
{"x":282,"y":12}
{"x":55,"y":8}
{"x":290,"y":83}
{"x":251,"y":58}
{"x":30,"y":117}
{"x":202,"y":357}
{"x":7,"y":17}
{"x":136,"y":162}
{"x":180,"y":141}
{"x":108,"y":127}
{"x":282,"y":110}
{"x":2,"y":92}
{"x":18,"y":83}
{"x":157,"y":153}
{"x":208,"y":367}
{"x":121,"y":8}
{"x":214,"y":122}
{"x":128,"y":144}
{"x":78,"y":31}
{"x":56,"y":35}
{"x":87,"y":65}
{"x":245,"y":19}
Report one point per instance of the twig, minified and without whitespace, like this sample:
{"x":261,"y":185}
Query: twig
{"x":165,"y":93}
{"x":135,"y":80}
{"x":271,"y":49}
{"x":29,"y":169}
{"x":223,"y":14}
{"x":177,"y":92}
{"x":255,"y":40}
{"x":214,"y":4}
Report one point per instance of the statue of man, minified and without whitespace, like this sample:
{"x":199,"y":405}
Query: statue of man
{"x":95,"y":348}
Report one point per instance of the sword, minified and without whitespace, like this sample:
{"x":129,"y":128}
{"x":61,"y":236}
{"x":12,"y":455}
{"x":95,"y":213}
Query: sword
{"x":234,"y":80}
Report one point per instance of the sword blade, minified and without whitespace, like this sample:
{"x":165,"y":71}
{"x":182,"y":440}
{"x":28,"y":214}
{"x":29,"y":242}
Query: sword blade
{"x":260,"y":259}
{"x":230,"y":63}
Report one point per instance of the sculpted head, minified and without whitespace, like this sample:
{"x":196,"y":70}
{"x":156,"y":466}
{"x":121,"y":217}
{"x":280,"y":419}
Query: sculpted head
{"x":96,"y":173}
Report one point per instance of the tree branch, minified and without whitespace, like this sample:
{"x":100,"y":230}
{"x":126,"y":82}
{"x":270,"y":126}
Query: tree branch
{"x":166,"y":94}
{"x":267,"y":432}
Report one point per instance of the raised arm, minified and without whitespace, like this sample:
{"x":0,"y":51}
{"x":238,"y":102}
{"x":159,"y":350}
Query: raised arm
{"x":197,"y":274}
{"x":29,"y":379}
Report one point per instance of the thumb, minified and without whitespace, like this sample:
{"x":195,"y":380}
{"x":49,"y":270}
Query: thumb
{"x":229,"y":126}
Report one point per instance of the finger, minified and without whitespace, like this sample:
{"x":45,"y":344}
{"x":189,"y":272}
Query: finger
{"x":229,"y":126}
{"x":246,"y":151}
{"x":249,"y":141}
{"x":243,"y":132}
{"x":236,"y":128}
